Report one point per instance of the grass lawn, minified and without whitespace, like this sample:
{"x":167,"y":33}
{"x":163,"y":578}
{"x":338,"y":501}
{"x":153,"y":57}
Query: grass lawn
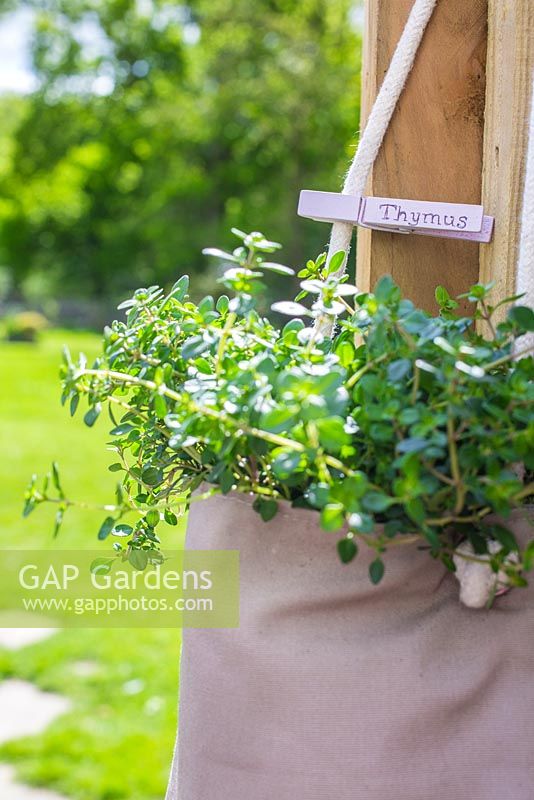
{"x":35,"y":429}
{"x":117,"y":741}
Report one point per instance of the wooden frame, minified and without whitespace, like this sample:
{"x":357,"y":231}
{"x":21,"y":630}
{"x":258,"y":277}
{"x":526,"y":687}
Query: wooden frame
{"x":510,"y":67}
{"x":452,"y":139}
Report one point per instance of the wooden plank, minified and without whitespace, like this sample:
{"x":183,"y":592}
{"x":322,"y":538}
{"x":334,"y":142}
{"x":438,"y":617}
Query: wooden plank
{"x":433,"y":148}
{"x":509,"y":79}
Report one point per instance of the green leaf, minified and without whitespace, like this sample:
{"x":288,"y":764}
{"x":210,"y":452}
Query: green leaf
{"x":386,"y":290}
{"x":415,"y":509}
{"x":29,"y":506}
{"x":511,"y":299}
{"x":55,"y":479}
{"x":523,"y":317}
{"x":193,"y":347}
{"x":370,"y":385}
{"x":504,"y":537}
{"x":346,"y":353}
{"x":160,"y":406}
{"x":347,"y":549}
{"x":444,"y":345}
{"x":478,"y":292}
{"x":528,"y":556}
{"x":332,"y":434}
{"x":363,"y":523}
{"x":447,"y":560}
{"x":179,"y":290}
{"x":222,"y":254}
{"x":377,"y":501}
{"x":280,"y":269}
{"x":412,"y":445}
{"x":392,"y":527}
{"x":442,"y":296}
{"x":74,"y":401}
{"x":382,"y":432}
{"x":106,"y":528}
{"x":227,"y":481}
{"x":291,"y":309}
{"x":317,"y":494}
{"x":152,"y":518}
{"x":152,"y":476}
{"x":101,"y":566}
{"x":267,"y":366}
{"x":314,"y":286}
{"x":222,"y":304}
{"x":203,"y":366}
{"x":119,"y":493}
{"x":398,"y":369}
{"x":278,"y":419}
{"x":206,"y":307}
{"x":346,"y":290}
{"x":116,"y":467}
{"x":286,"y":463}
{"x":92,"y":415}
{"x":444,"y":300}
{"x":138,"y":559}
{"x":335,"y":262}
{"x":349,"y":490}
{"x":293,"y":326}
{"x":479,"y":542}
{"x":431,"y":535}
{"x":376,"y":571}
{"x":516,"y":580}
{"x":122,"y":429}
{"x":267,"y":508}
{"x":169,"y":517}
{"x":408,"y":416}
{"x":60,"y":513}
{"x":332,"y":517}
{"x":259,"y":242}
{"x":122,"y":530}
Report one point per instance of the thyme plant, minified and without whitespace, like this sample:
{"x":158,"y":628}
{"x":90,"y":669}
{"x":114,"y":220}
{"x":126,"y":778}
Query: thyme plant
{"x":403,"y":427}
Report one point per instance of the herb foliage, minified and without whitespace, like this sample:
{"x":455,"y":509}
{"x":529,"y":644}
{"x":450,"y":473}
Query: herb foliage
{"x":404,"y":426}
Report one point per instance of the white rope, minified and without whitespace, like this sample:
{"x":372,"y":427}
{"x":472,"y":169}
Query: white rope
{"x":380,"y":116}
{"x":525,"y":264}
{"x":376,"y":127}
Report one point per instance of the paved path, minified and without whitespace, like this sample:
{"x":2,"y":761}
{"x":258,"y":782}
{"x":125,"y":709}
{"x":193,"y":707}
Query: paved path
{"x":13,"y":638}
{"x":11,"y":790}
{"x":25,"y":711}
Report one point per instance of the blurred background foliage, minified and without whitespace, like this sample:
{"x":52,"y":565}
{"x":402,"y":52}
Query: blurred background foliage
{"x":156,"y":126}
{"x":149,"y":129}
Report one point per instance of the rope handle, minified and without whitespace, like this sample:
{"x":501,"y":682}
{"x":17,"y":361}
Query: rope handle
{"x":375,"y":130}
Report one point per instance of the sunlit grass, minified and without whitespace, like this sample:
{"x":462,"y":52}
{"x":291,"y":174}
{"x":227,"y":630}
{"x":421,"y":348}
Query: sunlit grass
{"x":117,"y":741}
{"x":36,"y":430}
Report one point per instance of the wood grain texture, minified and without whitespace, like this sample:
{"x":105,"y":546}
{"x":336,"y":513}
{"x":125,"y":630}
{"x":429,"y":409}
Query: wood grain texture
{"x":509,"y":80}
{"x":433,"y":148}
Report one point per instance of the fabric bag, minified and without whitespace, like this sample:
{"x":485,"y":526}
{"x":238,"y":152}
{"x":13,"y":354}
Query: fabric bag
{"x":335,"y":689}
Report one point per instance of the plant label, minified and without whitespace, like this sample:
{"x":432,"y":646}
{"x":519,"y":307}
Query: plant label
{"x":427,"y":218}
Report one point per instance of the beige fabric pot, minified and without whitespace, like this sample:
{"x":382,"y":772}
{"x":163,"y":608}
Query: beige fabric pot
{"x":333,"y":689}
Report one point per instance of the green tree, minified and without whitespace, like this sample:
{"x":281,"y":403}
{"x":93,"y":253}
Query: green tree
{"x":158,"y":125}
